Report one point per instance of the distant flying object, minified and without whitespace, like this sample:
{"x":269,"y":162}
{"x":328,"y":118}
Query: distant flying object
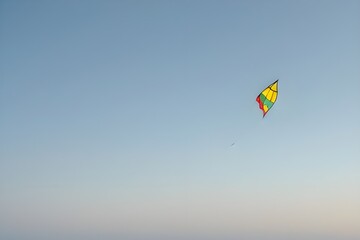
{"x":267,"y":98}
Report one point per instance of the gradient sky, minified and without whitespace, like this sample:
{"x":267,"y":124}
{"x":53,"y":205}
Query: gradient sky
{"x":116,"y":120}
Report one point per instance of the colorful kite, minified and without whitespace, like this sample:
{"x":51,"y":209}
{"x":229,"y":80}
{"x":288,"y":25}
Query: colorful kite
{"x":267,"y":98}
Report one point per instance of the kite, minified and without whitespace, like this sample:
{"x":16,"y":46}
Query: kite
{"x":267,"y":98}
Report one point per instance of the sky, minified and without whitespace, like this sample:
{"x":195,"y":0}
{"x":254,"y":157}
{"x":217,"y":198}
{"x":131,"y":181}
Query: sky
{"x":118,"y":118}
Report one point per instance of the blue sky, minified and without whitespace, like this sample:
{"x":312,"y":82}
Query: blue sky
{"x":116,"y":120}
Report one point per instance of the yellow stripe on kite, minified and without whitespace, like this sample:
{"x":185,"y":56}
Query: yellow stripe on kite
{"x":274,"y":87}
{"x":266,"y":108}
{"x":270,"y":94}
{"x":266,"y":92}
{"x":274,"y":96}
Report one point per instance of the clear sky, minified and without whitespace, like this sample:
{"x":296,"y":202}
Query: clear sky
{"x":117,"y":120}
